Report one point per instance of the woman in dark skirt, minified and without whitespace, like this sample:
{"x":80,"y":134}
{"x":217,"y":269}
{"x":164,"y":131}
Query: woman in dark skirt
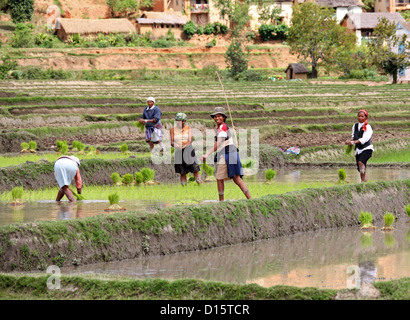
{"x":181,"y":140}
{"x":228,"y":163}
{"x":362,"y":140}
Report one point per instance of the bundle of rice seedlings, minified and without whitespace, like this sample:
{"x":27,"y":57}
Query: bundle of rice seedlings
{"x":209,"y":171}
{"x":78,"y":196}
{"x":407,"y":209}
{"x":388,"y":221}
{"x":116,"y":179}
{"x":349,"y":149}
{"x":127,"y":178}
{"x":24,"y":147}
{"x":32,"y":145}
{"x":342,"y":175}
{"x":124,"y":148}
{"x":366,"y":219}
{"x":114,"y":198}
{"x":139,"y":178}
{"x":140,"y":126}
{"x":269,"y":175}
{"x":17,"y":194}
{"x":147,"y":174}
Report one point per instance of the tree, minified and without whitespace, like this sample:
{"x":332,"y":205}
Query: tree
{"x":21,"y":10}
{"x":269,"y":12}
{"x":316,"y":36}
{"x":127,"y":7}
{"x":389,"y":51}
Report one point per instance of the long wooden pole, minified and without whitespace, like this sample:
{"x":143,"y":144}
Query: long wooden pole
{"x":229,"y":109}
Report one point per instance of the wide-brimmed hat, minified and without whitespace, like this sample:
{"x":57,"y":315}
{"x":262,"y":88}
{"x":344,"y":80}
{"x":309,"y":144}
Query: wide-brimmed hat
{"x":151,"y":99}
{"x":218,"y":110}
{"x":180,"y":116}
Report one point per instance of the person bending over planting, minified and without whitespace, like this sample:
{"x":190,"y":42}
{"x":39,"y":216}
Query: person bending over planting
{"x":362,"y":141}
{"x":151,"y":118}
{"x":66,"y":168}
{"x":228,"y":164}
{"x":181,"y":140}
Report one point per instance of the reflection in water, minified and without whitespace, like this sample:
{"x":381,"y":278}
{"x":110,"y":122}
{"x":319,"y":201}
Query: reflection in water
{"x":314,"y":259}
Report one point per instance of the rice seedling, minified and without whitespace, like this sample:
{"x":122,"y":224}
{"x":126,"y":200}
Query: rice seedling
{"x":127,"y":179}
{"x":115,"y":177}
{"x":17,"y":194}
{"x":24,"y":147}
{"x":114,"y":199}
{"x":388,"y":221}
{"x":62,"y":146}
{"x":32,"y":145}
{"x":140,"y":126}
{"x":269,"y":175}
{"x":124,"y":148}
{"x":208,"y":170}
{"x":78,"y":196}
{"x":139,"y":178}
{"x":342,"y":175}
{"x":407,"y":209}
{"x":147,"y":174}
{"x":366,"y":219}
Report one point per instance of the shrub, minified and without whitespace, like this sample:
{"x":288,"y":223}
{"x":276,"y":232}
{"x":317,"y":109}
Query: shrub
{"x":22,"y":36}
{"x":127,"y":178}
{"x":200,"y":30}
{"x":113,"y":198}
{"x":270,"y":174}
{"x":17,"y":193}
{"x":115,"y":177}
{"x":366,"y":219}
{"x":190,"y":29}
{"x":43,"y":40}
{"x":21,"y":10}
{"x":162,"y":43}
{"x":139,"y":178}
{"x":342,"y":175}
{"x":211,"y":44}
{"x":269,"y":31}
{"x":148,"y":174}
{"x":219,"y":28}
{"x":209,"y":29}
{"x":7,"y":66}
{"x":388,"y":219}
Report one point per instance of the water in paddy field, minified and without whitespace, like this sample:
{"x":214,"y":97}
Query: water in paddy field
{"x":324,"y":259}
{"x":50,"y":210}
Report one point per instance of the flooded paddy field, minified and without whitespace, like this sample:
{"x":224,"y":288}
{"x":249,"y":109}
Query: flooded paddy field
{"x":320,"y":259}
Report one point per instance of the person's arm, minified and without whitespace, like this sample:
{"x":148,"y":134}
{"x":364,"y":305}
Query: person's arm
{"x":349,"y":141}
{"x":190,"y":137}
{"x":366,"y":135}
{"x":78,"y":181}
{"x":217,"y":144}
{"x":143,"y":118}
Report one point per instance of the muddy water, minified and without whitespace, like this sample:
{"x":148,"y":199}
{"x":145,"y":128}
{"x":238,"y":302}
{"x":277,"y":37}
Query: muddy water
{"x":49,"y":210}
{"x":321,"y":259}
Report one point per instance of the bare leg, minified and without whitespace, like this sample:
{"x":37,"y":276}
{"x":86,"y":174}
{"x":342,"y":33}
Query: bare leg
{"x":221,"y":189}
{"x":60,"y":194}
{"x":151,"y":145}
{"x":362,"y":169}
{"x":197,"y":177}
{"x":183,"y":179}
{"x":68,"y":193}
{"x":239,"y":182}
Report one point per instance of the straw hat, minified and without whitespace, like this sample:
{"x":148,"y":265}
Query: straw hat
{"x":219,"y":110}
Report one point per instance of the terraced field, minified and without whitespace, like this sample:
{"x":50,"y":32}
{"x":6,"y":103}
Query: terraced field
{"x":99,"y":113}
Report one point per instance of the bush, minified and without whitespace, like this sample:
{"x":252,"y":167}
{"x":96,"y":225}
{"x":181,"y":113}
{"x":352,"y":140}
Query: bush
{"x":200,"y":30}
{"x":127,"y":178}
{"x":270,"y":174}
{"x":219,"y":28}
{"x":162,"y":43}
{"x":44,"y":40}
{"x":271,"y":32}
{"x":209,"y":29}
{"x":190,"y":29}
{"x":115,"y":177}
{"x":7,"y":66}
{"x":148,"y":174}
{"x":21,"y":10}
{"x":22,"y":36}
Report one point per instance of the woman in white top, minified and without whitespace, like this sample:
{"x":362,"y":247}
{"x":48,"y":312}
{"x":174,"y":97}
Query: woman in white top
{"x":362,"y":140}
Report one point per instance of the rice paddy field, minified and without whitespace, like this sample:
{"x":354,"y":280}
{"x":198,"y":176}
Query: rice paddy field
{"x":315,"y":116}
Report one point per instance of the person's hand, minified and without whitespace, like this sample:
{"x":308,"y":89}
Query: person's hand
{"x":79,"y":190}
{"x":348,"y":142}
{"x":204,"y":157}
{"x":143,"y":121}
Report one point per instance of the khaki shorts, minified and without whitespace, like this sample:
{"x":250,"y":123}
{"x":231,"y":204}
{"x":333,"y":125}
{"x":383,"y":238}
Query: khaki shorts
{"x":221,"y":170}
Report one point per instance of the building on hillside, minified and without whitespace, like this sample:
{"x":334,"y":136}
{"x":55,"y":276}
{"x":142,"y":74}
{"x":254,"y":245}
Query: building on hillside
{"x":296,"y":71}
{"x":158,"y":23}
{"x":285,"y":15}
{"x":391,"y":5}
{"x":92,"y":27}
{"x":363,"y":24}
{"x":403,"y":28}
{"x":343,"y":7}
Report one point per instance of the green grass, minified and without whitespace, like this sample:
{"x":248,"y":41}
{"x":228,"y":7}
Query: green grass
{"x":171,"y":193}
{"x":7,"y":161}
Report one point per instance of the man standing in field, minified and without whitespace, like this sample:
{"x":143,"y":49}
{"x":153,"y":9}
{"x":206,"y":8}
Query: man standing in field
{"x":151,"y":118}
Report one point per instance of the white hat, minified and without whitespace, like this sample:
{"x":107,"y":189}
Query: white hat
{"x":75,"y":159}
{"x":151,"y":99}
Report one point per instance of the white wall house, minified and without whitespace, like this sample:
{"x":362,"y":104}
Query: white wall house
{"x":285,"y":15}
{"x":403,"y":28}
{"x":342,"y":7}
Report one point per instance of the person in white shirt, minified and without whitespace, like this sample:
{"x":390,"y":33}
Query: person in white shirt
{"x":362,"y":140}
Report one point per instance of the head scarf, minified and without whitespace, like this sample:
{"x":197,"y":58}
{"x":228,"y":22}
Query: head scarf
{"x":151,"y":99}
{"x":364,"y":127}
